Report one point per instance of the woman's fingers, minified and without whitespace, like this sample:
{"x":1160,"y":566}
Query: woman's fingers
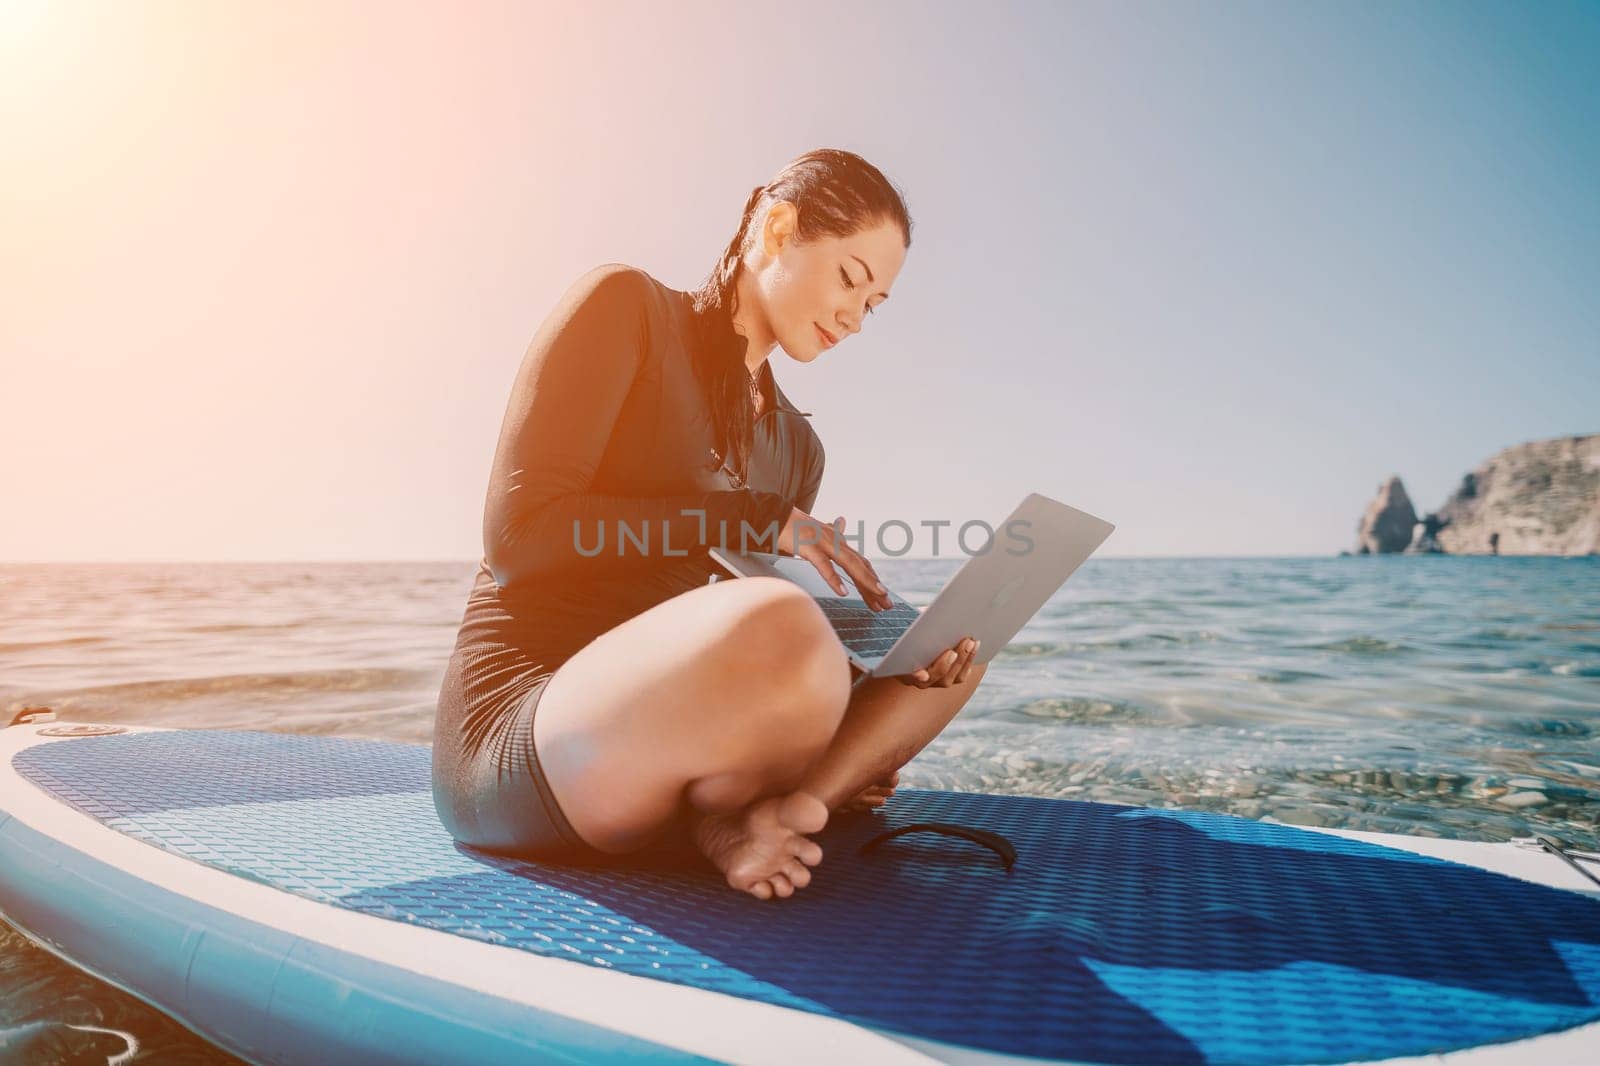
{"x":865,"y":579}
{"x":930,"y":675}
{"x":817,"y":555}
{"x":871,"y":590}
{"x":829,"y":574}
{"x":949,"y":668}
{"x":969,"y":648}
{"x":955,"y":664}
{"x":876,"y":582}
{"x":842,"y":555}
{"x":864,"y":583}
{"x":815,"y":543}
{"x":869,"y":579}
{"x":966,"y":667}
{"x":867,"y":583}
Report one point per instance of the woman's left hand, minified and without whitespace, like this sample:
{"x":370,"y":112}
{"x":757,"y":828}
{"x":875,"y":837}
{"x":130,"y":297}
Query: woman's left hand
{"x":950,"y":668}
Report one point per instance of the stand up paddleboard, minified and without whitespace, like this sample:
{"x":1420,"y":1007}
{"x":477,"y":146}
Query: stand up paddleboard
{"x":294,"y":899}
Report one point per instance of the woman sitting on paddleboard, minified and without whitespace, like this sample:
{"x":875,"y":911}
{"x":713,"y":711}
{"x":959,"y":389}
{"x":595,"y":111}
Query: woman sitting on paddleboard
{"x":645,"y":426}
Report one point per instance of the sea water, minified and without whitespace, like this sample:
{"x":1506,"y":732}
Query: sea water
{"x":1431,"y":695}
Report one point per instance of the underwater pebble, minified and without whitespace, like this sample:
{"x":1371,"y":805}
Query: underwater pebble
{"x":1524,"y":782}
{"x":1298,"y":816}
{"x":1524,"y":799}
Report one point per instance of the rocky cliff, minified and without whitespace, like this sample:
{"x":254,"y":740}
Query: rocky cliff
{"x":1539,"y":498}
{"x":1386,"y":527}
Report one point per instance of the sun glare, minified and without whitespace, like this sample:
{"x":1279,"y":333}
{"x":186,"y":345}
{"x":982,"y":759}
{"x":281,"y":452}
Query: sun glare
{"x":19,"y":17}
{"x":21,"y":23}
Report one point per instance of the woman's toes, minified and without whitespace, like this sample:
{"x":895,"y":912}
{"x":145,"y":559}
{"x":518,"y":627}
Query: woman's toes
{"x":746,"y":871}
{"x":798,"y":873}
{"x":761,"y":890}
{"x":782,"y":886}
{"x":808,"y":851}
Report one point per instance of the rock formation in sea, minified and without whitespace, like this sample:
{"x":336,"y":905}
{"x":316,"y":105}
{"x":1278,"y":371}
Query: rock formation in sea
{"x":1386,"y":527}
{"x":1539,"y":498}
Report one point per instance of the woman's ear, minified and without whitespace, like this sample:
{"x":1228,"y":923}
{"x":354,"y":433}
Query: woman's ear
{"x":779,"y":228}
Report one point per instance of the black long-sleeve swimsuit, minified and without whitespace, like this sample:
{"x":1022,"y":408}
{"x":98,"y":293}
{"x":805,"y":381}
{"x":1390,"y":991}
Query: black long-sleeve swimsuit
{"x":607,"y":427}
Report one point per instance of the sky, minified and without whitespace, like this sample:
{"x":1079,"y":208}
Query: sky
{"x":1210,"y":271}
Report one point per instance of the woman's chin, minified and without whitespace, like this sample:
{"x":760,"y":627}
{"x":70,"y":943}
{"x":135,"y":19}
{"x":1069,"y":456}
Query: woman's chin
{"x":801,"y":355}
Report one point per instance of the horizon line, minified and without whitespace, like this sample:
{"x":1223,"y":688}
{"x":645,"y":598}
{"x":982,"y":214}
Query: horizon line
{"x":1342,"y":553}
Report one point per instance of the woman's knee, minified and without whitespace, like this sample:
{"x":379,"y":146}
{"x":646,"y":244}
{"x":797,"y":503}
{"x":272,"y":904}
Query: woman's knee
{"x":799,"y":672}
{"x":781,"y":635}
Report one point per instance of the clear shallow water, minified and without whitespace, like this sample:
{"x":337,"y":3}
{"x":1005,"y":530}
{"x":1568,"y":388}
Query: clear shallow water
{"x":1441,"y":696}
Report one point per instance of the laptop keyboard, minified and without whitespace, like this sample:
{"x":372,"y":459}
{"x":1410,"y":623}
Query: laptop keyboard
{"x":868,"y":633}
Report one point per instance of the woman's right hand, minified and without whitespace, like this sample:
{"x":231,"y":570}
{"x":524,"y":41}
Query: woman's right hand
{"x":823,"y":546}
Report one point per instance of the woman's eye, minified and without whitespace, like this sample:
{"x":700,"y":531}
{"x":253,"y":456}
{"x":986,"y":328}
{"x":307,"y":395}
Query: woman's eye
{"x":847,"y":282}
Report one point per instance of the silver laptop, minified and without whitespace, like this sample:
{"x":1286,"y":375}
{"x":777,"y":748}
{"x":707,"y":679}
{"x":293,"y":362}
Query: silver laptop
{"x":990,"y":598}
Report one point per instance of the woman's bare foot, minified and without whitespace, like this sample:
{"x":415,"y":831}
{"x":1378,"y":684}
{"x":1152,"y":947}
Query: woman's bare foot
{"x":762,"y":849}
{"x":874,"y":795}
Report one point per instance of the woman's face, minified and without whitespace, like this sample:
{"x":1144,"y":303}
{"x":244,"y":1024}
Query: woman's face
{"x":831,"y":284}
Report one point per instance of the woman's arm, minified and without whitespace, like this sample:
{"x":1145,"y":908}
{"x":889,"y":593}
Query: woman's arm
{"x":569,"y":390}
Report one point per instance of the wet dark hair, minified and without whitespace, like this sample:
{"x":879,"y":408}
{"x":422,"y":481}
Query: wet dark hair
{"x":836,"y":194}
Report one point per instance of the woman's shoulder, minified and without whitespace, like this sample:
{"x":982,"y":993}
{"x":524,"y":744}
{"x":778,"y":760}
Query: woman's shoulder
{"x":619,"y":283}
{"x":613,"y":307}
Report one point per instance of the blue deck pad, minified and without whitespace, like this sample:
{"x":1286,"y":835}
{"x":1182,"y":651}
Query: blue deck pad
{"x":1123,"y":935}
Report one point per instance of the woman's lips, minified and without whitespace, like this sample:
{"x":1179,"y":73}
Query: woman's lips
{"x":827,"y":338}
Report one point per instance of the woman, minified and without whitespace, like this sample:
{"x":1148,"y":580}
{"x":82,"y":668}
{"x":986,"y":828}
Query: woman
{"x":724,"y":710}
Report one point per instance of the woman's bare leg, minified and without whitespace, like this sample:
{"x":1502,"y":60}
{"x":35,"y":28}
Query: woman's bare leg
{"x":717,"y":699}
{"x":885,"y":726}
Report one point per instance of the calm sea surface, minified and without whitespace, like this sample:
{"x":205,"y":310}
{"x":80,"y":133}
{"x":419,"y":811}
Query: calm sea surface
{"x":1440,"y":696}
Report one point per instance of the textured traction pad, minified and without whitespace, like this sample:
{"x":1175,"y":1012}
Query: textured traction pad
{"x":1123,"y":935}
